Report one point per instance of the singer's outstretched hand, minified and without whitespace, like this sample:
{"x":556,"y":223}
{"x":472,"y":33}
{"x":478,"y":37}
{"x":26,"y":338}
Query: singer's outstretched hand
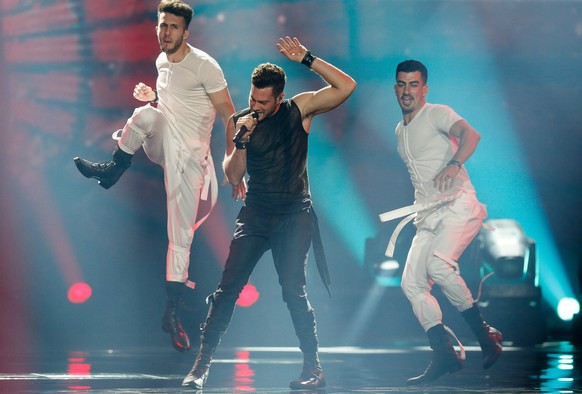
{"x":291,"y":48}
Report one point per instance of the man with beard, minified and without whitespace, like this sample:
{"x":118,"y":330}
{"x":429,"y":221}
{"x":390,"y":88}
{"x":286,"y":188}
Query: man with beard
{"x":434,"y":143}
{"x":271,"y":147}
{"x":190,"y":90}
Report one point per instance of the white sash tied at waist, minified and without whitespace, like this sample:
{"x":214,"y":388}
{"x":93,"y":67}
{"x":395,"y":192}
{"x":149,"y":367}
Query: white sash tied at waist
{"x":410,"y":212}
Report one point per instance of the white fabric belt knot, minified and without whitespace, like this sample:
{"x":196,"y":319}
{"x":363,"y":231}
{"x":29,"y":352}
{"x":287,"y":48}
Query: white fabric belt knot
{"x":410,"y":212}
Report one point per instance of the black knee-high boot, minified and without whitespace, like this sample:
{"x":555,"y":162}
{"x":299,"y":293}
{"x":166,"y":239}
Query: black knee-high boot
{"x":171,"y":320}
{"x":444,"y":356}
{"x":219,"y":316}
{"x":312,"y":376}
{"x":198,"y":375}
{"x":488,"y":337}
{"x":106,"y":172}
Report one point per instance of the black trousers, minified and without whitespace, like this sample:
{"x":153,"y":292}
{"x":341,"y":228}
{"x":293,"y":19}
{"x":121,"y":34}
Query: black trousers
{"x":289,"y":239}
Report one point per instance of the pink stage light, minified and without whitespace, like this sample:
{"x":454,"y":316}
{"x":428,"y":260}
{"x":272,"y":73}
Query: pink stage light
{"x":79,"y":293}
{"x":248,"y":296}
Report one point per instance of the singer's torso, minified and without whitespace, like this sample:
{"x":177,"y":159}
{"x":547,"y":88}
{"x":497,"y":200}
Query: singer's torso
{"x":277,"y":162}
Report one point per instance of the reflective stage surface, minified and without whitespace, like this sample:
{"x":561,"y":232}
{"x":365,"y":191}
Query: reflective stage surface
{"x":551,"y":367}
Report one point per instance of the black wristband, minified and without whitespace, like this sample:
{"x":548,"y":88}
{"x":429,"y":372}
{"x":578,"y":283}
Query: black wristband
{"x":308,"y":59}
{"x":156,"y":99}
{"x":240,"y":145}
{"x":455,"y":162}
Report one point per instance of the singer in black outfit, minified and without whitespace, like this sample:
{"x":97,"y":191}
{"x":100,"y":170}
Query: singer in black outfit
{"x":278,"y":213}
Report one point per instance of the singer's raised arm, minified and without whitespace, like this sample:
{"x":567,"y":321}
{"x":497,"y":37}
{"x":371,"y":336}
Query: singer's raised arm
{"x":340,"y":85}
{"x":267,"y":102}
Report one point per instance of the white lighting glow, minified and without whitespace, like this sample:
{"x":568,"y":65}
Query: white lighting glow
{"x":567,"y":308}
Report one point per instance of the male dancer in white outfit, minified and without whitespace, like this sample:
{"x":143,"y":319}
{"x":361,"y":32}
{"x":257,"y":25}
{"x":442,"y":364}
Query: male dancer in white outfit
{"x":176,"y":135}
{"x":434,"y":142}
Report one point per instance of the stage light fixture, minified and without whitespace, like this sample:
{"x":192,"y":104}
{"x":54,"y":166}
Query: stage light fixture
{"x":511,"y":297}
{"x":507,"y":251}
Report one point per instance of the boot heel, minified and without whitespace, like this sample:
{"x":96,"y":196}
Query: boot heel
{"x":106,"y":185}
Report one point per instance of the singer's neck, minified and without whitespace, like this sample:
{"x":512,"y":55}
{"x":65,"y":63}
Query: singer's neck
{"x":276,"y":110}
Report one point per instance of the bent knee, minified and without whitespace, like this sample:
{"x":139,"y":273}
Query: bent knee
{"x":144,"y":118}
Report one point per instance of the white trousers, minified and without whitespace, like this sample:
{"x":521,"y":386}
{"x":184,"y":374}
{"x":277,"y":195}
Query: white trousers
{"x":441,"y":237}
{"x":187,"y":177}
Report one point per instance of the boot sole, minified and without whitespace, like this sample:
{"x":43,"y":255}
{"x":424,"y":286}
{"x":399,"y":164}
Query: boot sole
{"x":425,"y":380}
{"x":194,"y":384}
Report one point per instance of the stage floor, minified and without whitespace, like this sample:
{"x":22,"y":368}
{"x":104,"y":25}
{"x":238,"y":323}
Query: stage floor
{"x":552,"y":367}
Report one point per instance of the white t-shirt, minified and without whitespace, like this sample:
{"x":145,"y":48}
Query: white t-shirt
{"x":426,"y":146}
{"x":183,"y":97}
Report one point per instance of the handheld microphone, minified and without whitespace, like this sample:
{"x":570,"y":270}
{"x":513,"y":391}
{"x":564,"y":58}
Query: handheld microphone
{"x":239,"y":134}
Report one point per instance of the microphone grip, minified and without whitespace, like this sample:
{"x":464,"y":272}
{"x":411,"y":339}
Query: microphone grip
{"x":239,"y":134}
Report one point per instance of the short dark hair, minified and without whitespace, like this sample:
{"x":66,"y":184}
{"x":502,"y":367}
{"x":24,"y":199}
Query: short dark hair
{"x":269,"y":75}
{"x":410,"y":66}
{"x":178,"y":8}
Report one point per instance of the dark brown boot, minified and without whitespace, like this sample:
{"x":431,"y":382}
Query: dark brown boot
{"x":488,"y":337}
{"x":444,"y":357}
{"x":171,"y":320}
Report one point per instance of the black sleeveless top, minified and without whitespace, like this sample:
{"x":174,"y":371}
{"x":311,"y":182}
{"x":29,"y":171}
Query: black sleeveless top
{"x":277,"y":162}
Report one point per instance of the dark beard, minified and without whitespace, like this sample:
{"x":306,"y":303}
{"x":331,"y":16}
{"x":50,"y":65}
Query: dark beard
{"x":172,"y":50}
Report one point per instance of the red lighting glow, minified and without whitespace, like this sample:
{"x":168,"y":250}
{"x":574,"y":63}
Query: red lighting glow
{"x":248,"y":296}
{"x":243,"y":375}
{"x":78,"y":366}
{"x":79,"y":293}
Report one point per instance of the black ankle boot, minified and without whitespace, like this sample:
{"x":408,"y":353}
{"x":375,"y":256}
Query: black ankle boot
{"x":488,"y":337}
{"x":198,"y":375}
{"x":171,"y":320}
{"x":312,"y":376}
{"x":444,"y":357}
{"x":106,"y":172}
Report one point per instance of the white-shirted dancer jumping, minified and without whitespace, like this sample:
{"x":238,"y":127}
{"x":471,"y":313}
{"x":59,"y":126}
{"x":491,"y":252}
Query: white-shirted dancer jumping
{"x":191,"y":89}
